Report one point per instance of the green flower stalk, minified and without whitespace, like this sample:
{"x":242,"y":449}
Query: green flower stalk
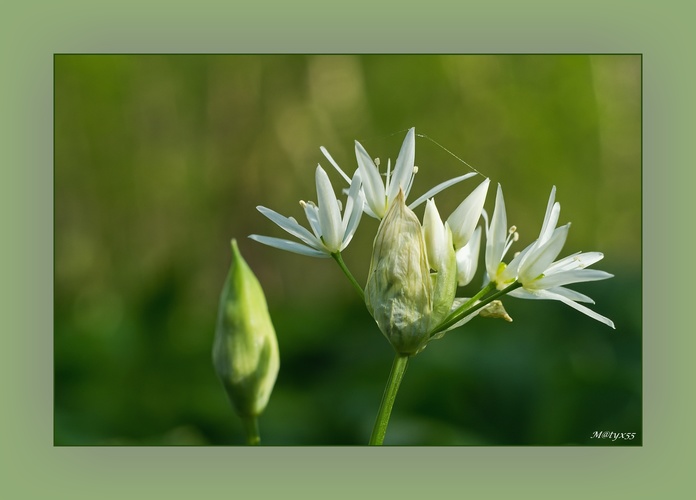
{"x":245,"y":349}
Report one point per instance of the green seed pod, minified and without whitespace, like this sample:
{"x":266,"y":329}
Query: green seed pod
{"x":245,"y":350}
{"x":399,"y":290}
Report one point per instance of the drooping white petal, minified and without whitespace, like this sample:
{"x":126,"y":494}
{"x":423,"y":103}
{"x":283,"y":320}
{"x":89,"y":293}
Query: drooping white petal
{"x":572,"y":294}
{"x":372,"y":182}
{"x":291,"y":226}
{"x":465,"y":217}
{"x":290,"y":246}
{"x":329,"y":212}
{"x":496,"y":234}
{"x":521,"y":293}
{"x":585,"y":310}
{"x":467,"y":258}
{"x":538,"y":259}
{"x":403,"y":169}
{"x":440,"y":187}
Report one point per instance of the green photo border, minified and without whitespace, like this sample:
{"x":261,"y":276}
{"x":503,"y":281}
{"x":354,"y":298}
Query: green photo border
{"x":31,"y":467}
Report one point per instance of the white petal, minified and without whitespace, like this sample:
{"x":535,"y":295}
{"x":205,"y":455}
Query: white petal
{"x":497,"y":234}
{"x":440,"y":187}
{"x":335,"y":165}
{"x":572,"y":294}
{"x":373,"y":186}
{"x":354,"y":210}
{"x":352,"y":200}
{"x":521,"y":293}
{"x":567,"y":277}
{"x":553,"y":210}
{"x":403,"y":169}
{"x":511,"y":271}
{"x":329,"y":212}
{"x":465,"y":217}
{"x":434,"y":236}
{"x":467,"y":258}
{"x":312,"y":214}
{"x":290,"y":246}
{"x":291,"y":226}
{"x":550,"y":226}
{"x":585,"y":310}
{"x":366,"y":207}
{"x":575,"y":261}
{"x":540,"y":258}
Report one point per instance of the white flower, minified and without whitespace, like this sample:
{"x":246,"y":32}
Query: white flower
{"x":499,"y":238}
{"x":380,"y":194}
{"x":331,"y":233}
{"x":466,"y":235}
{"x":542,"y":278}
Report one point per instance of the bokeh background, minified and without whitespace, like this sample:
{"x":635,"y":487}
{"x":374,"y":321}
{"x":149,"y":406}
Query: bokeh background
{"x":161,"y":159}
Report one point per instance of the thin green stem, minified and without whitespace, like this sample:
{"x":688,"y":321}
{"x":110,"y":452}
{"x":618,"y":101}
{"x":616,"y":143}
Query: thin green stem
{"x":337,"y":257}
{"x":390,"y":391}
{"x":469,"y":303}
{"x":470,"y":306}
{"x":251,"y":426}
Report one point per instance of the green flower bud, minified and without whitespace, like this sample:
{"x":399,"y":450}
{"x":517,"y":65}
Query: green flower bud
{"x":403,"y":297}
{"x":245,"y":350}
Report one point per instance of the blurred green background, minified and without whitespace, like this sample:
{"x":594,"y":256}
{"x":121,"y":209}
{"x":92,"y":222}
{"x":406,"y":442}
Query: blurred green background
{"x":161,"y":159}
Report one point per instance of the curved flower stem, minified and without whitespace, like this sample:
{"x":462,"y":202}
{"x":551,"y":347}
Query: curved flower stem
{"x":385,"y":407}
{"x":469,"y":306}
{"x":251,"y":426}
{"x":337,"y":257}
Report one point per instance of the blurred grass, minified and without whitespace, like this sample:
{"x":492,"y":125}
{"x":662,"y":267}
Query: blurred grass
{"x":161,"y":159}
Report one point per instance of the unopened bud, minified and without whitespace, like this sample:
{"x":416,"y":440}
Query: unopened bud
{"x":245,"y":350}
{"x":398,"y":292}
{"x":401,"y":294}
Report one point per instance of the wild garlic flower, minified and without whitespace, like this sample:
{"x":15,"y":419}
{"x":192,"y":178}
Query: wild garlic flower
{"x":379,"y":194}
{"x":542,"y":278}
{"x":331,"y":233}
{"x":499,"y":238}
{"x":465,"y":233}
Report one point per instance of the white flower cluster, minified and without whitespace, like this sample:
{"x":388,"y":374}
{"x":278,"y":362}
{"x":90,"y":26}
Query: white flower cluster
{"x":405,"y":285}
